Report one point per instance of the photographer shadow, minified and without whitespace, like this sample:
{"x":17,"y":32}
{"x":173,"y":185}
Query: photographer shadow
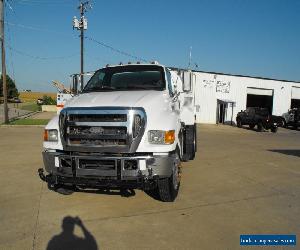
{"x":67,"y":240}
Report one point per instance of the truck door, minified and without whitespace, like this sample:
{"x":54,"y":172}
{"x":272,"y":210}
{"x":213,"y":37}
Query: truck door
{"x":250,"y":113}
{"x":174,"y":91}
{"x":246,"y":116}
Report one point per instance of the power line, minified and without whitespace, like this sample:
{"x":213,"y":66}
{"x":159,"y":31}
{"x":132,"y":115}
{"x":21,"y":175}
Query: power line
{"x":38,"y":2}
{"x":124,"y":53}
{"x":40,"y":57}
{"x":117,"y":50}
{"x":36,"y":28}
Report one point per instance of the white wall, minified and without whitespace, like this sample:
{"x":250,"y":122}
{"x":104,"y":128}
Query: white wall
{"x":234,"y":88}
{"x":205,"y":99}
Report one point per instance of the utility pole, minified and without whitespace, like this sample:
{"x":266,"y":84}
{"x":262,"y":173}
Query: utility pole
{"x":2,"y":5}
{"x":81,"y":45}
{"x":82,"y":26}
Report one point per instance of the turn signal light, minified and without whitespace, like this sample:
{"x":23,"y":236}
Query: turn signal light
{"x":169,"y":137}
{"x":45,"y":135}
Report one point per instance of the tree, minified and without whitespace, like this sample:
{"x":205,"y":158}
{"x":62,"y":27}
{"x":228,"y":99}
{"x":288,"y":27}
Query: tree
{"x":48,"y":100}
{"x":12,"y":90}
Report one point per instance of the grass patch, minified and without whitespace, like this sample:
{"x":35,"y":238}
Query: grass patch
{"x":30,"y":122}
{"x":31,"y":107}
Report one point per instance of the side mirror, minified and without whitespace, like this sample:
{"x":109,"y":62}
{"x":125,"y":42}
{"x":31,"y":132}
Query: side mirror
{"x":187,"y":81}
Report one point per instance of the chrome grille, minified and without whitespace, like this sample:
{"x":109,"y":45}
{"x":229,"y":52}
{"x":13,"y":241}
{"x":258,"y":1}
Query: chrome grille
{"x":102,"y":129}
{"x":98,"y":118}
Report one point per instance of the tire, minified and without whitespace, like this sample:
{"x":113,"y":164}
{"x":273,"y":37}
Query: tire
{"x":238,"y":123}
{"x":259,"y":126}
{"x":168,"y":187}
{"x":274,"y":129}
{"x":189,"y":143}
{"x":195,"y":138}
{"x":252,"y":126}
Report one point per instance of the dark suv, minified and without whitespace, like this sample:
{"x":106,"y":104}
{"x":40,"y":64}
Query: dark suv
{"x":260,"y":117}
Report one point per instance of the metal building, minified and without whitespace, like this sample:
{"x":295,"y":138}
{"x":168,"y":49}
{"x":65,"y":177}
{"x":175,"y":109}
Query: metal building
{"x":219,"y":97}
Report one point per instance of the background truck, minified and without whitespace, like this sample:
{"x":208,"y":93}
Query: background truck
{"x":260,"y":117}
{"x":292,"y":118}
{"x":130,"y":127}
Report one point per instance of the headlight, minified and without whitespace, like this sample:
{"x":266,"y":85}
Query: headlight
{"x":161,"y":137}
{"x":50,"y":135}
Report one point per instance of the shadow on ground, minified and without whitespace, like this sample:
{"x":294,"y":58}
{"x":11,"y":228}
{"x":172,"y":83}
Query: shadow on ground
{"x":67,"y":240}
{"x":294,"y":152}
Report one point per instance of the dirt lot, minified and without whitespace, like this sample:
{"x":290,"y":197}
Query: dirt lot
{"x":241,"y":182}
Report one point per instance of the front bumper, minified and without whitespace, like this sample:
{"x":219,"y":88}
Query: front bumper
{"x":92,"y":170}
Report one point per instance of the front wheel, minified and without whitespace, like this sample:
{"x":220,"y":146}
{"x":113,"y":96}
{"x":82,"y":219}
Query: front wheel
{"x":168,"y":187}
{"x":189,"y":143}
{"x":259,"y":127}
{"x":274,"y":129}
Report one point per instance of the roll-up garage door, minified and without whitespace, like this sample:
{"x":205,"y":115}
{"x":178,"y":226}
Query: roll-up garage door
{"x":256,"y":91}
{"x":295,"y":102}
{"x":262,"y":98}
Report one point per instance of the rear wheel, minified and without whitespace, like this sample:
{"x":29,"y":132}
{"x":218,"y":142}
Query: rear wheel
{"x":168,"y":187}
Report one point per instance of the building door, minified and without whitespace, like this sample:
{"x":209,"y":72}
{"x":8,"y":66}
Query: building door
{"x":262,"y":98}
{"x":221,"y":112}
{"x":295,"y":101}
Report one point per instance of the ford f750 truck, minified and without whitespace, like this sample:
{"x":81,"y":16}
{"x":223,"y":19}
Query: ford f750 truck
{"x":130,"y":127}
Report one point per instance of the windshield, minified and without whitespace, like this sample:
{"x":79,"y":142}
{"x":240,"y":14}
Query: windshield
{"x":263,"y":111}
{"x":133,"y":77}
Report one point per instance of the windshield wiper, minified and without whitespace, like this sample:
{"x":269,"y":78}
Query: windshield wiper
{"x":99,"y":88}
{"x":144,"y":87}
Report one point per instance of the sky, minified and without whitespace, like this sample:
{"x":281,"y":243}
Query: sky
{"x":245,"y":37}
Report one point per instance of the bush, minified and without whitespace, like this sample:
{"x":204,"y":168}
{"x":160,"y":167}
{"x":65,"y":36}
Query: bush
{"x":48,"y":100}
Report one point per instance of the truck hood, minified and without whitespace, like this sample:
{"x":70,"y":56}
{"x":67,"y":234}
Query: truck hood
{"x":143,"y":98}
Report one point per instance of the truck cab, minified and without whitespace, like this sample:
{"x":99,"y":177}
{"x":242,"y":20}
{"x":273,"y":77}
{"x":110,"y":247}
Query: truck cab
{"x":130,"y":127}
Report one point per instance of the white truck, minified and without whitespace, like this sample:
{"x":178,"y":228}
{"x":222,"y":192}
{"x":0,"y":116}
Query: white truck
{"x":130,"y":127}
